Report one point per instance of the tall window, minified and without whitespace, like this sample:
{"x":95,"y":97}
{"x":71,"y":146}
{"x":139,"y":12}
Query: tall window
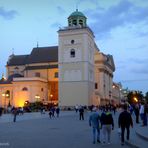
{"x":16,"y":69}
{"x":72,"y":41}
{"x":56,"y":74}
{"x":25,"y":89}
{"x":81,"y":22}
{"x":72,"y":53}
{"x":96,"y":86}
{"x":74,"y":22}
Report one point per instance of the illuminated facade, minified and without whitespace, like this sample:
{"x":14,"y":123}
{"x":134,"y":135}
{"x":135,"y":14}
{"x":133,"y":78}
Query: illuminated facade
{"x":74,"y":72}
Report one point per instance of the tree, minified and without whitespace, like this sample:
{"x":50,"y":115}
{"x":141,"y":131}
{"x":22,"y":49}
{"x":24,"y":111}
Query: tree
{"x":135,"y":97}
{"x":146,"y":96}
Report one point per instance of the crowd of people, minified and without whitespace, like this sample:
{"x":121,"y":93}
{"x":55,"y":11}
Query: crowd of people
{"x":101,"y":118}
{"x":105,"y":122}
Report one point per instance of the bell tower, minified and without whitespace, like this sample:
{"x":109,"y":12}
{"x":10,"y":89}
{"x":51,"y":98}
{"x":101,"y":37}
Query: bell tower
{"x":76,"y":62}
{"x":77,"y":18}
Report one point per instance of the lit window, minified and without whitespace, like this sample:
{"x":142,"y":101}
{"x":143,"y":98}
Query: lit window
{"x":72,"y":53}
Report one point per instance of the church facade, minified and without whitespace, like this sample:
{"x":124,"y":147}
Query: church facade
{"x":73,"y":73}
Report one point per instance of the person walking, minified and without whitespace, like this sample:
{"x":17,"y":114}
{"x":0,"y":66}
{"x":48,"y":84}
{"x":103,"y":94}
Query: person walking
{"x":50,"y":113}
{"x":136,"y":110}
{"x":1,"y":111}
{"x":76,"y":108}
{"x":57,"y":111}
{"x":81,"y":113}
{"x":145,"y":114}
{"x":15,"y":113}
{"x":94,"y":120}
{"x":124,"y":122}
{"x":107,"y":125}
{"x":142,"y":113}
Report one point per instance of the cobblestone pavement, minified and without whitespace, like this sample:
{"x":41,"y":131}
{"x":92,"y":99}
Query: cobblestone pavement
{"x":33,"y":130}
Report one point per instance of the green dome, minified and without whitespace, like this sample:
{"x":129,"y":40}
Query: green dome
{"x":77,"y":13}
{"x":77,"y":18}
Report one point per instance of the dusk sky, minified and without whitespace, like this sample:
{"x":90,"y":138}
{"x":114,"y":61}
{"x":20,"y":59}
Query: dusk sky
{"x":120,"y":28}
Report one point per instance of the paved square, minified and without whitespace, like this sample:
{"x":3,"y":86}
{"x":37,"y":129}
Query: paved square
{"x":38,"y":131}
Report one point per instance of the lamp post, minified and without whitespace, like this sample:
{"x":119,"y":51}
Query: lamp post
{"x":6,"y":95}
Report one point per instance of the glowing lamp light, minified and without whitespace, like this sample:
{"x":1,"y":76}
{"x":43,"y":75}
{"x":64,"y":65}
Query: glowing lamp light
{"x":7,"y":95}
{"x":21,"y":103}
{"x":113,"y":86}
{"x":136,"y":100}
{"x":3,"y":95}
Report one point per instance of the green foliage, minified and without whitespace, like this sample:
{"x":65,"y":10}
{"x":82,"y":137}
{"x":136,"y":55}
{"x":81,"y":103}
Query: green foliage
{"x":146,"y":96}
{"x":34,"y":106}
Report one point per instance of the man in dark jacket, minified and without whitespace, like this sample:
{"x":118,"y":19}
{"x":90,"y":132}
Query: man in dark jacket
{"x":81,"y":113}
{"x":124,"y":122}
{"x":107,"y":125}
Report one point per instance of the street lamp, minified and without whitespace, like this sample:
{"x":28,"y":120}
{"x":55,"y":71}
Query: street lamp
{"x":6,"y":95}
{"x":136,"y":100}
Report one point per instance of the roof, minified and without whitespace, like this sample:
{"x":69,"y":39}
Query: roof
{"x":43,"y":55}
{"x":110,"y":62}
{"x":77,"y":13}
{"x":17,"y":60}
{"x":38,"y":55}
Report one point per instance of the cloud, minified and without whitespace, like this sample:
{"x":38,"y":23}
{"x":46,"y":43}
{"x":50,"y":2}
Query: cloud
{"x":123,"y":13}
{"x":140,"y":70}
{"x":141,"y":47}
{"x":139,"y":65}
{"x":142,"y":34}
{"x":8,"y":15}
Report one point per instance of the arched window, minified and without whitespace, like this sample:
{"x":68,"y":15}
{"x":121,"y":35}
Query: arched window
{"x":16,"y":69}
{"x":74,"y":22}
{"x":81,"y":22}
{"x":72,"y":41}
{"x":25,"y":89}
{"x":72,"y":53}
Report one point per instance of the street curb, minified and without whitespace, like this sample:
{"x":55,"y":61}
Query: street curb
{"x":141,"y":136}
{"x":131,"y":144}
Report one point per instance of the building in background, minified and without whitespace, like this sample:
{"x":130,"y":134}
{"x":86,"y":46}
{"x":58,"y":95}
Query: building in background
{"x":117,"y":95}
{"x":74,"y":72}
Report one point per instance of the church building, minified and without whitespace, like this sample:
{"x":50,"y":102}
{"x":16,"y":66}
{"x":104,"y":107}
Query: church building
{"x":73,"y":73}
